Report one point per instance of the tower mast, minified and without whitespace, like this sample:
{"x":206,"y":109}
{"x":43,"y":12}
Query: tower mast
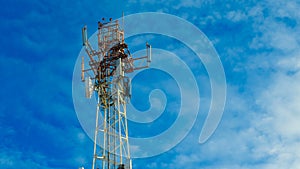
{"x":108,"y":66}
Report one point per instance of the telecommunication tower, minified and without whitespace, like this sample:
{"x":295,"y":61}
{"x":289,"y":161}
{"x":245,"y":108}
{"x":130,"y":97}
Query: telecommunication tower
{"x":106,"y":77}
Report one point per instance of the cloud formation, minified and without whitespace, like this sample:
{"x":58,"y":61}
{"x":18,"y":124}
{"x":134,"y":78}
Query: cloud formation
{"x":258,"y":44}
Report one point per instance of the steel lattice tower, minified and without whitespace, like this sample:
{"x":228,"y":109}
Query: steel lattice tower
{"x":108,"y":66}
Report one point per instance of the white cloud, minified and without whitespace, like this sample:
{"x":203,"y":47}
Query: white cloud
{"x":81,"y":137}
{"x":263,"y":134}
{"x":192,"y":3}
{"x":152,"y":165}
{"x":281,"y":101}
{"x":278,"y":99}
{"x":276,"y":29}
{"x":236,"y":16}
{"x":10,"y":158}
{"x":276,"y":35}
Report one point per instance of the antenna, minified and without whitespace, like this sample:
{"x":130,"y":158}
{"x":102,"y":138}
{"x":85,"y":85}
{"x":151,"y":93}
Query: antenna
{"x":84,"y":35}
{"x":89,"y":88}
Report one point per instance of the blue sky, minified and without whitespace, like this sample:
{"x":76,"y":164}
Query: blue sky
{"x":258,"y":44}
